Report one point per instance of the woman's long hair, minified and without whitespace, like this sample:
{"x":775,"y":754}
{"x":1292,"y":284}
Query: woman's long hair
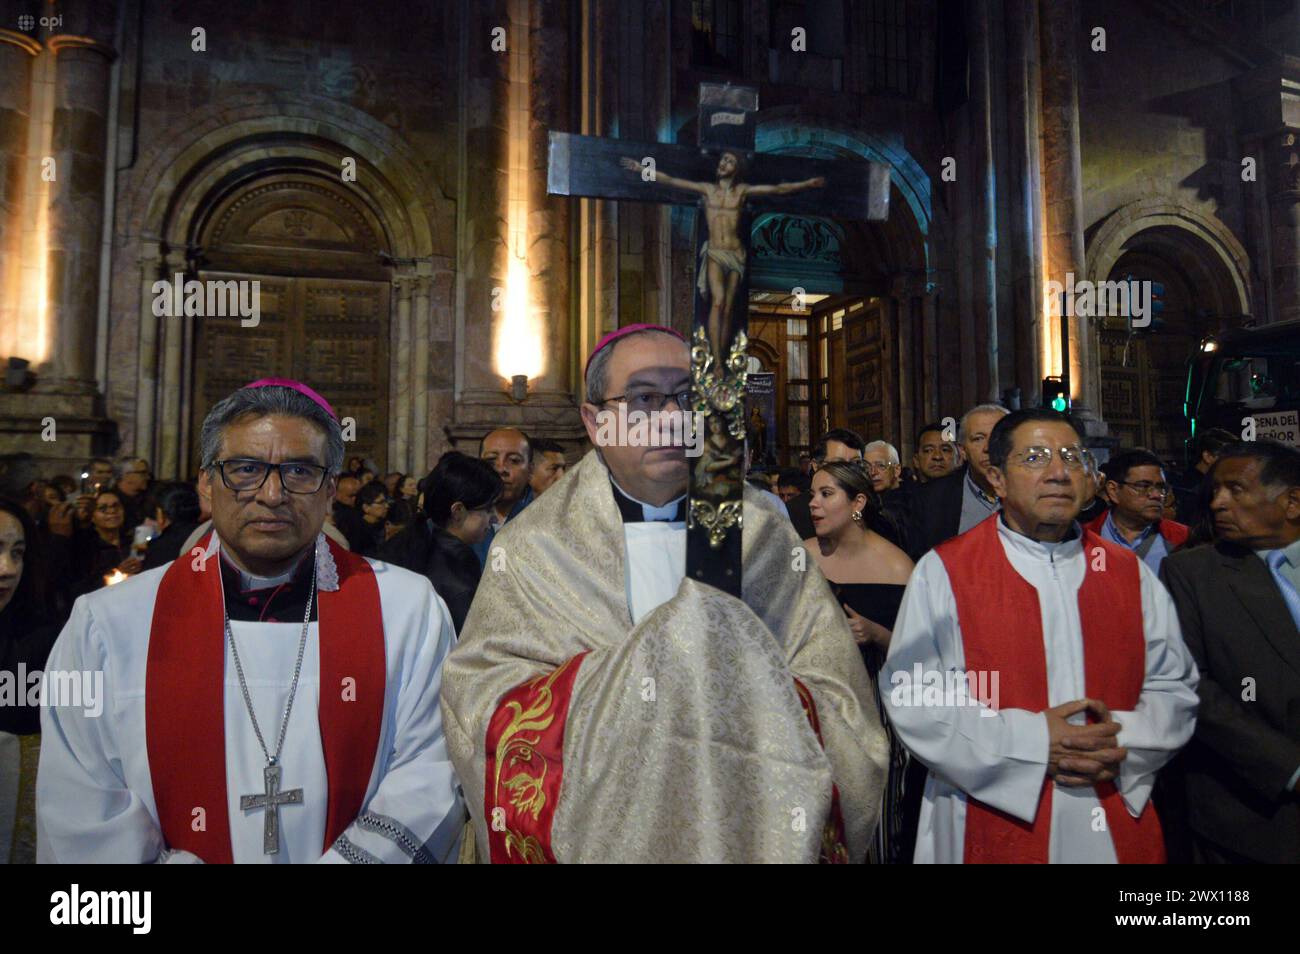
{"x":31,"y":596}
{"x":852,"y":478}
{"x":459,"y":477}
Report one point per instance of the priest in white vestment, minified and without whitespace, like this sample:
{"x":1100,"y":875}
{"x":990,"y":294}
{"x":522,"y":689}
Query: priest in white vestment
{"x":601,"y":707}
{"x":1050,"y":625}
{"x":270,"y":697}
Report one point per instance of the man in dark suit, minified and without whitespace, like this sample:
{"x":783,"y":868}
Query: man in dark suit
{"x":1187,"y":486}
{"x":1239,"y":608}
{"x":347,"y":516}
{"x":950,"y":505}
{"x":839,"y":443}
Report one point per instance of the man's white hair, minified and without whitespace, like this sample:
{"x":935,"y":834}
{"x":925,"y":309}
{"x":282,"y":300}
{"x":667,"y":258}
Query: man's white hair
{"x":890,"y":449}
{"x":978,"y":409}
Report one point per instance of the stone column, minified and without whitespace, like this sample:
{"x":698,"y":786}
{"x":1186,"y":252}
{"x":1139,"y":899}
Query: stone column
{"x":1026,"y":218}
{"x":1284,"y":223}
{"x":419,"y":452}
{"x":538,"y":34}
{"x":146,"y":390}
{"x":1268,"y":124}
{"x":399,"y":455}
{"x":168,"y":463}
{"x":82,"y":69}
{"x":598,"y":231}
{"x":1063,"y":191}
{"x":984,"y":234}
{"x":17,"y":54}
{"x":548,"y":216}
{"x":483,"y":204}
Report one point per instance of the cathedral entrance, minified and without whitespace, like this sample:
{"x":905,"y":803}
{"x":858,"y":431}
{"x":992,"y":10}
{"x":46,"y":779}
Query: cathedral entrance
{"x":332,"y":332}
{"x":829,"y":317}
{"x":1144,"y":374}
{"x":317,"y":256}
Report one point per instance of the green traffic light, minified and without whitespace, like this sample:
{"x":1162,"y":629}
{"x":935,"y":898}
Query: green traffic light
{"x":1058,"y":404}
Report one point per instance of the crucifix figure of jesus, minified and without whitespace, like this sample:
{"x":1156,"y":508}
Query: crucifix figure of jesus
{"x":722,"y":255}
{"x":270,"y":802}
{"x":730,"y":182}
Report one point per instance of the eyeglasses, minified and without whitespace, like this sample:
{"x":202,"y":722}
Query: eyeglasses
{"x":652,"y":400}
{"x":296,"y":477}
{"x":1143,"y":488}
{"x":1037,"y":458}
{"x":872,"y":467}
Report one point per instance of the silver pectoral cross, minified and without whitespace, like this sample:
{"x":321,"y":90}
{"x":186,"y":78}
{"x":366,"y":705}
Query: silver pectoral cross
{"x":271,"y":802}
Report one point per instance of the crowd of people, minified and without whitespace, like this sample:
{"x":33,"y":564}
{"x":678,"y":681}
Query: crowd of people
{"x":1121,"y":608}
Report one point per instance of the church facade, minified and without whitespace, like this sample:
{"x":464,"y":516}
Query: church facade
{"x":195,"y":195}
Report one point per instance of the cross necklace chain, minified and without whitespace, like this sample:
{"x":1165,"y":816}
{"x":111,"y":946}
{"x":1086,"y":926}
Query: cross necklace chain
{"x":271,"y":799}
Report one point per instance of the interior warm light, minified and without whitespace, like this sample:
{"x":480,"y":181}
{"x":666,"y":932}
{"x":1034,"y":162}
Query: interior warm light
{"x":111,"y":579}
{"x":32,"y":332}
{"x":518,"y":345}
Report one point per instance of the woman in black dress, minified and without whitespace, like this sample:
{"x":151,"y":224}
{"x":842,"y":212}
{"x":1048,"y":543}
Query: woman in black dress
{"x":459,"y":496}
{"x":867,"y":571}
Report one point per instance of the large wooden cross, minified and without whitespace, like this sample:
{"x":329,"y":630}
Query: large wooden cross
{"x":729,"y":182}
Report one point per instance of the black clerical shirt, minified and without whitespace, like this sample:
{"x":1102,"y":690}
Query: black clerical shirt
{"x":279,"y":603}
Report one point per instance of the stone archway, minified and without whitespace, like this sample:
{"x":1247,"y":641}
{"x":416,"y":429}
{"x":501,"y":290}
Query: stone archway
{"x":1204,"y":272}
{"x":223,"y":152}
{"x":881,"y":315}
{"x":1204,"y":243}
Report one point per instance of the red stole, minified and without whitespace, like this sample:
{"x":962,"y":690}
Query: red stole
{"x":834,"y":849}
{"x":185,"y":699}
{"x":525,"y":764}
{"x":989,"y":594}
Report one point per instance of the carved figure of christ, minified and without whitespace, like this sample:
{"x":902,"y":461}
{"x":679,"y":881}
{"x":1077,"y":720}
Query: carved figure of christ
{"x":724,"y":254}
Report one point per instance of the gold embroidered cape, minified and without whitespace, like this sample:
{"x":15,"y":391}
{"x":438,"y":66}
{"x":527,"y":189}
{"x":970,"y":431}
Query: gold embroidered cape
{"x":684,"y":739}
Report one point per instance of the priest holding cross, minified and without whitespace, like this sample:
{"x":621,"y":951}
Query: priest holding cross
{"x":653,"y":669}
{"x":274,"y":697}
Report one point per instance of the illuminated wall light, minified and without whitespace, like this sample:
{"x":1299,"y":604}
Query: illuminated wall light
{"x":518,"y":348}
{"x":30,"y":336}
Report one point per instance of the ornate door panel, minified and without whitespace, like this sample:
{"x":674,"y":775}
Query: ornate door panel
{"x":1143,"y":402}
{"x":344,"y":356}
{"x":330,"y":333}
{"x":863,"y":336}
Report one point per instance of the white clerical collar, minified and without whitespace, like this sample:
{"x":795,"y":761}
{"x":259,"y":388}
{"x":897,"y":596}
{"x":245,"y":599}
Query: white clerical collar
{"x":667,"y":512}
{"x":1045,"y":551}
{"x":327,"y":574}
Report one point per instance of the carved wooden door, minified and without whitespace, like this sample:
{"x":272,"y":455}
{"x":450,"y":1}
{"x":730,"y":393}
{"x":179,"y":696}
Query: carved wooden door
{"x":330,"y":333}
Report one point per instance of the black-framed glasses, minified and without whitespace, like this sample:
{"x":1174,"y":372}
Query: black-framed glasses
{"x":652,"y":400}
{"x":296,"y":477}
{"x":1144,"y":487}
